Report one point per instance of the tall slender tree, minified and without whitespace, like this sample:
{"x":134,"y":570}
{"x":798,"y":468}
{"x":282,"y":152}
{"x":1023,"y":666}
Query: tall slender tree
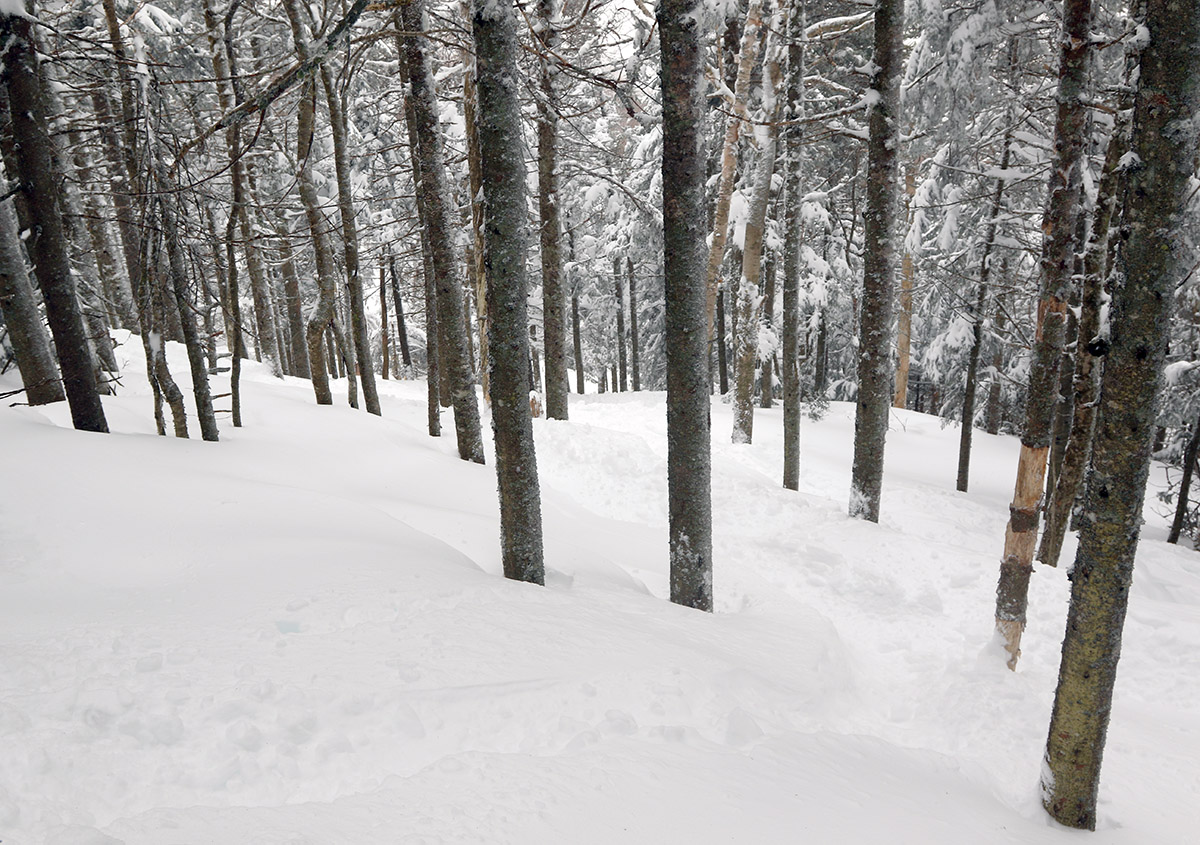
{"x":879,"y":264}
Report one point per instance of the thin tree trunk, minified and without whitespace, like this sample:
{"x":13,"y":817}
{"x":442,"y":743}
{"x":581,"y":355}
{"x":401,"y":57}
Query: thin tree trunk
{"x":618,"y":295}
{"x":1155,"y":219}
{"x":1058,"y":257}
{"x":502,"y":169}
{"x":993,"y":412}
{"x":401,"y":328}
{"x":578,"y":343}
{"x":35,"y":161}
{"x":977,"y":314}
{"x":634,"y":346}
{"x":1185,"y":483}
{"x":766,"y":377}
{"x":793,"y":139}
{"x":433,"y":195}
{"x":722,"y":355}
{"x":293,"y":304}
{"x":689,"y":436}
{"x":354,"y":287}
{"x":908,"y":274}
{"x":879,"y":260}
{"x":383,"y":317}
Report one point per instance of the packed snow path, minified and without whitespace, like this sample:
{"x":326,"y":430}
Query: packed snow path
{"x":300,"y":635}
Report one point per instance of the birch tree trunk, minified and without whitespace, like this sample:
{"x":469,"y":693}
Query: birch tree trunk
{"x":751,"y":34}
{"x":502,"y":169}
{"x":879,"y":266}
{"x":1058,"y":257}
{"x":1155,"y":218}
{"x":689,"y":435}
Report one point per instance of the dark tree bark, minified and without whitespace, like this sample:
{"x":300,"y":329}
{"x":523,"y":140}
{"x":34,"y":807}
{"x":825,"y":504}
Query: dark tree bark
{"x":619,"y":296}
{"x":793,"y":141}
{"x":1058,"y":260}
{"x":401,"y":328}
{"x":18,"y":304}
{"x":879,"y":266}
{"x":689,"y":435}
{"x":766,"y":376}
{"x":434,"y":196}
{"x":553,"y":291}
{"x":722,"y":356}
{"x":1151,"y":264}
{"x":578,"y":342}
{"x":1185,"y":483}
{"x":635,"y":367}
{"x":502,"y":168}
{"x":993,"y":411}
{"x":35,"y":162}
{"x":977,"y":315}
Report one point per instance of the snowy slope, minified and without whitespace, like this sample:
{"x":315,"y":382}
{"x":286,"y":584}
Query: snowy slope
{"x":300,"y":635}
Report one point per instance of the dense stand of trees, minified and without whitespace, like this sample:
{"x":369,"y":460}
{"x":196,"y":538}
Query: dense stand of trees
{"x":235,"y":178}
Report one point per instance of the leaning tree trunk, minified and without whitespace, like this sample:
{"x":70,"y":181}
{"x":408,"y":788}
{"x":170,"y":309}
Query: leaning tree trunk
{"x":433,"y":195}
{"x":1058,"y":258}
{"x":689,"y":436}
{"x":554,"y":315}
{"x":793,"y":140}
{"x":879,"y":266}
{"x":18,"y":304}
{"x":48,"y":244}
{"x":1154,"y":221}
{"x":502,"y":168}
{"x":354,"y":288}
{"x":1185,"y":483}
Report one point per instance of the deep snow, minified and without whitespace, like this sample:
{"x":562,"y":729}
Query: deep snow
{"x":301,"y":635}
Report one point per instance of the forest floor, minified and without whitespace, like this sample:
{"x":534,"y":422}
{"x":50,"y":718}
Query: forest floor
{"x":300,"y":635}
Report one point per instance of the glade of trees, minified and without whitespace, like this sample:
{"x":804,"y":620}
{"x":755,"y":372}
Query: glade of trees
{"x":340,"y":191}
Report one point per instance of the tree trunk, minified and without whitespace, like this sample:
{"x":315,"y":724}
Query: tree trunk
{"x":689,"y":436}
{"x":635,"y":373}
{"x":1088,"y":350}
{"x":18,"y":304}
{"x":618,"y":294}
{"x":722,"y":356}
{"x":1185,"y":483}
{"x":793,"y":140}
{"x":751,"y":34}
{"x":879,"y":259}
{"x":401,"y":328}
{"x":977,"y":315}
{"x":502,"y":169}
{"x":1155,"y":219}
{"x":993,"y":412}
{"x":354,"y":287}
{"x":578,"y":343}
{"x":908,"y":274}
{"x":1058,"y":257}
{"x":433,"y":195}
{"x":748,"y":301}
{"x":47,"y":245}
{"x":293,"y":304}
{"x":766,"y":377}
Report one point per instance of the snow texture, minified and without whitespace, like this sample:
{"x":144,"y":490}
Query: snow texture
{"x":301,"y":635}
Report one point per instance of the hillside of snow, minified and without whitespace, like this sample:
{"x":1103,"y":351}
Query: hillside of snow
{"x":300,"y":635}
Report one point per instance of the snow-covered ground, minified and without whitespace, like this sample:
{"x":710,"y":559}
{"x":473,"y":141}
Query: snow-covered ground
{"x":300,"y":635}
